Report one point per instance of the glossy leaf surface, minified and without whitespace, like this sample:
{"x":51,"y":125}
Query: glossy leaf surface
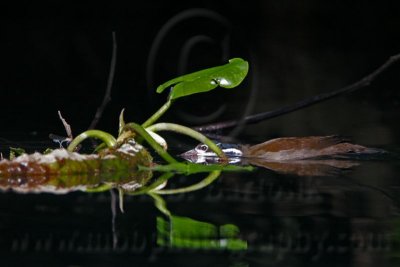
{"x":227,"y":76}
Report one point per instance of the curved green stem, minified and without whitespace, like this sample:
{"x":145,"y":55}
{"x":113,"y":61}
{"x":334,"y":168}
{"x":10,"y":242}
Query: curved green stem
{"x":107,"y":138}
{"x":160,"y":204}
{"x":189,"y":132}
{"x":142,"y":132}
{"x":147,"y":189}
{"x":158,"y":114}
{"x":205,"y":182}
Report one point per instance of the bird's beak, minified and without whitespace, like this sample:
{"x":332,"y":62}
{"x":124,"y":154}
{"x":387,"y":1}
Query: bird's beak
{"x":190,"y":155}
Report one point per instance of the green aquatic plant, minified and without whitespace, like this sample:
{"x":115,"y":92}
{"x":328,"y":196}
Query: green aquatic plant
{"x":62,"y":171}
{"x":125,"y":153}
{"x":226,"y":76}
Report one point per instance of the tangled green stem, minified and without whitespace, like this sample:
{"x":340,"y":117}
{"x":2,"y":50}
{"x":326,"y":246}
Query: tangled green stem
{"x":107,"y":138}
{"x":153,"y":143}
{"x":189,"y":132}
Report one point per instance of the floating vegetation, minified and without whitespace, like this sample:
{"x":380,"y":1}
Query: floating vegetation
{"x":62,"y":171}
{"x":123,"y":162}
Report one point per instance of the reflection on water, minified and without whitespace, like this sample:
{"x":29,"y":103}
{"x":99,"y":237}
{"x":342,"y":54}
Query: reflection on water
{"x":242,"y":219}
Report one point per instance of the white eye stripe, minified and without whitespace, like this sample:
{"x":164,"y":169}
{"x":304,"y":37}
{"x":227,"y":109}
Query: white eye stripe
{"x":201,"y":148}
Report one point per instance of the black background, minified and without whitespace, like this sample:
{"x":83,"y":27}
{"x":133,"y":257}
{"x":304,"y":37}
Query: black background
{"x":57,"y":57}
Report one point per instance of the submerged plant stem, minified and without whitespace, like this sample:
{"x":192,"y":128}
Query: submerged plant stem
{"x":158,"y":114}
{"x":205,"y":182}
{"x":107,"y":138}
{"x":189,"y":132}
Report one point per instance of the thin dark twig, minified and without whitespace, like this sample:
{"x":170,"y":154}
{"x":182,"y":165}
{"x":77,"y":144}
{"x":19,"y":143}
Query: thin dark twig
{"x":365,"y":81}
{"x":107,"y":95}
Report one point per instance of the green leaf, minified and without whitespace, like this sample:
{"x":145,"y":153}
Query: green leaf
{"x":227,"y":76}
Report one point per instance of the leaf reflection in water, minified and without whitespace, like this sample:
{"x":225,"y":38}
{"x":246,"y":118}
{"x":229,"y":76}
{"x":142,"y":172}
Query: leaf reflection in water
{"x":186,"y":233}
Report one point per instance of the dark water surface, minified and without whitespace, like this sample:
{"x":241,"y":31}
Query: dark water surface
{"x":347,"y":219}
